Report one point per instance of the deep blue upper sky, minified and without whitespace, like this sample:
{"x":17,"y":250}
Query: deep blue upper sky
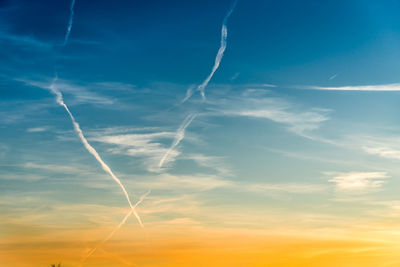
{"x":173,"y":41}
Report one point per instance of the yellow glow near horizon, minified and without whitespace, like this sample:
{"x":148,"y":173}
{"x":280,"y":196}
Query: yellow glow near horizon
{"x":205,"y":247}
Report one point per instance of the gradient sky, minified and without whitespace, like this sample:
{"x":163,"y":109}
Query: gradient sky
{"x":292,"y":159}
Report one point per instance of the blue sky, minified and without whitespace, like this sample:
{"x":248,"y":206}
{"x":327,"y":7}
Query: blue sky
{"x":301,"y":117}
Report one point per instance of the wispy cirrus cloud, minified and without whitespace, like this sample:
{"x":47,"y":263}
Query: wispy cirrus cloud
{"x":198,"y":182}
{"x":211,"y":162}
{"x":81,"y":94}
{"x":37,"y":129}
{"x":382,"y":145}
{"x":295,"y":188}
{"x":21,"y":177}
{"x":385,"y":146}
{"x":258,"y":103}
{"x":22,"y":111}
{"x":380,"y":87}
{"x":55,"y":168}
{"x":356,"y":182}
{"x":149,"y":146}
{"x":23,"y":41}
{"x":204,"y":182}
{"x":148,"y":143}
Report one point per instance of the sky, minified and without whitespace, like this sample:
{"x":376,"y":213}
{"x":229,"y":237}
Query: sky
{"x":244,"y":133}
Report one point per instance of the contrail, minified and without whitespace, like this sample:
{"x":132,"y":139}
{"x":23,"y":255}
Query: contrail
{"x":118,"y":226}
{"x":118,"y":258}
{"x":333,"y":76}
{"x":180,"y":134}
{"x":71,"y":20}
{"x":220,"y":54}
{"x":89,"y":148}
{"x":189,"y":93}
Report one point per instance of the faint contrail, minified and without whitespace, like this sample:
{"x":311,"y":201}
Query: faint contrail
{"x":71,"y":20}
{"x":109,"y":236}
{"x":180,"y":134}
{"x":118,"y":226}
{"x":220,"y":54}
{"x":77,"y":128}
{"x":333,"y":76}
{"x":117,"y":257}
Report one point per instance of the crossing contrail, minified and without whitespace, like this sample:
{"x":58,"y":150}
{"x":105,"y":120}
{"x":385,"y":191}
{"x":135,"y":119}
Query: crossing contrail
{"x":180,"y":134}
{"x":189,"y":93}
{"x":71,"y":20}
{"x":118,"y":226}
{"x":218,"y":58}
{"x":89,"y":148}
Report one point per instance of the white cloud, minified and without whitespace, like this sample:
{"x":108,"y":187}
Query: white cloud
{"x":37,"y":129}
{"x":381,"y":87}
{"x":298,"y":122}
{"x":384,"y":152}
{"x":383,"y":146}
{"x":256,"y":103}
{"x":358,"y":181}
{"x":148,"y":145}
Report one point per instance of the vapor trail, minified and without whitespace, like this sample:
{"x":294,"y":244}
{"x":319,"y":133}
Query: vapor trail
{"x":109,"y":236}
{"x":71,"y":20}
{"x":333,"y":76}
{"x":220,"y":54}
{"x":180,"y":134}
{"x":118,"y":226}
{"x":118,"y":258}
{"x":189,"y":93}
{"x":89,"y":148}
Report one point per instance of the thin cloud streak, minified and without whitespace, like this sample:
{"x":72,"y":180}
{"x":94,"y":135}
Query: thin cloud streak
{"x":88,"y":147}
{"x":218,"y":58}
{"x":71,"y":20}
{"x":24,"y":41}
{"x":180,"y":134}
{"x":381,"y":87}
{"x":333,"y":76}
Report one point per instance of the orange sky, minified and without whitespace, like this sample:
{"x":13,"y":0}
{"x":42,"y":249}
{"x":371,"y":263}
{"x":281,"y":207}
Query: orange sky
{"x":205,"y":247}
